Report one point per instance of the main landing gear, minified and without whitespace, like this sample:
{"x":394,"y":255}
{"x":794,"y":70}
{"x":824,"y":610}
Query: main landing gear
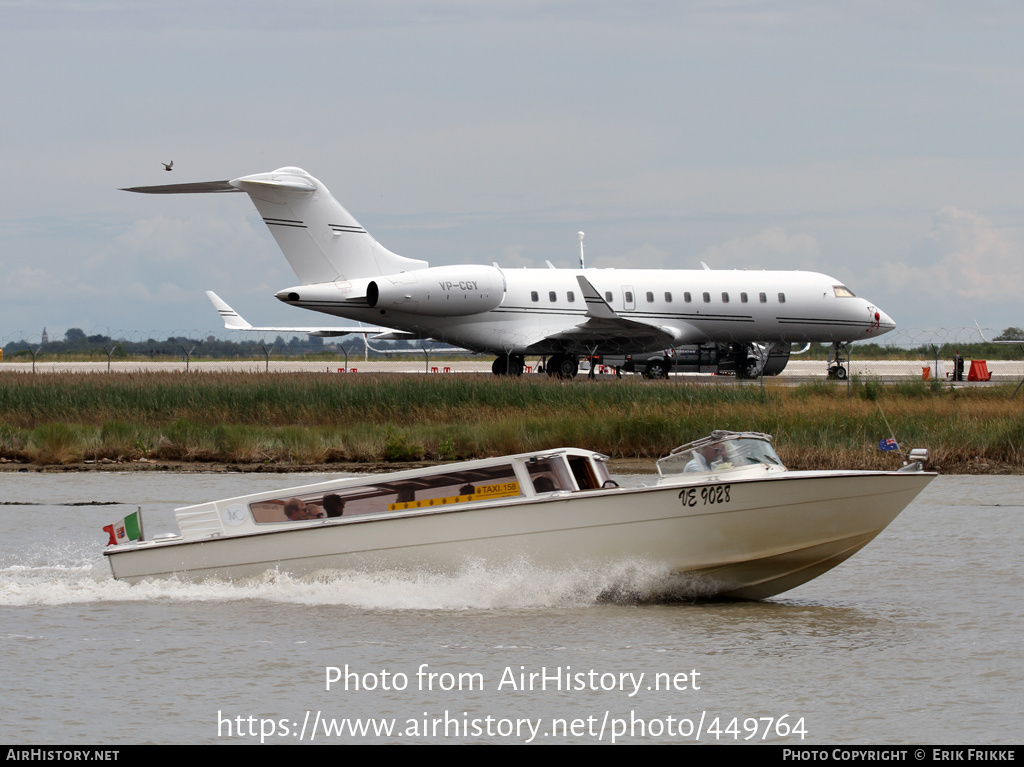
{"x":509,"y":365}
{"x":563,"y":366}
{"x":557,"y":366}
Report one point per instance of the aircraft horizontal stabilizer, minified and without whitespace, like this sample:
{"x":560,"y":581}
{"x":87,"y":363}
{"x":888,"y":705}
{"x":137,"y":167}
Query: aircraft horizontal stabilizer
{"x":234,"y":321}
{"x":201,"y":187}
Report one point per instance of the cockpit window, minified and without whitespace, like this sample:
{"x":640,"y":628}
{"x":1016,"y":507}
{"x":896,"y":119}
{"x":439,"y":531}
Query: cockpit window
{"x":843,"y":292}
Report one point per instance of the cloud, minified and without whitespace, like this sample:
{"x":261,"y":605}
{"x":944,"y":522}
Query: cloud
{"x":963,"y":256}
{"x":771,"y":248}
{"x":646,"y":256}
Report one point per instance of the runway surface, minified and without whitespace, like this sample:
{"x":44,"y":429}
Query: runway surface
{"x":1003,"y":371}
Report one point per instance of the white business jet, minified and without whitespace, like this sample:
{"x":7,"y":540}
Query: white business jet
{"x":740,"y":321}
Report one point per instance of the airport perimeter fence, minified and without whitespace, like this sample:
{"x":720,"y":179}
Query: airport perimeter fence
{"x":902,"y":355}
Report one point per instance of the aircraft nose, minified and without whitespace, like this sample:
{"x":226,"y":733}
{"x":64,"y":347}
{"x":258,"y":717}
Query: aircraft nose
{"x":880,"y":321}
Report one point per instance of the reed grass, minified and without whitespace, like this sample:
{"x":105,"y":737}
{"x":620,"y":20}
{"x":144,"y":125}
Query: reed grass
{"x":313,"y":419}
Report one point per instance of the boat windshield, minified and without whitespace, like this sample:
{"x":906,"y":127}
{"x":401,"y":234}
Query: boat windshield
{"x":719,"y":452}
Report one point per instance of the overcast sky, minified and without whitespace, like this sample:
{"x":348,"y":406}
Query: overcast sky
{"x":881,"y":143}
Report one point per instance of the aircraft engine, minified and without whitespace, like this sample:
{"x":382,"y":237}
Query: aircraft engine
{"x":440,"y":291}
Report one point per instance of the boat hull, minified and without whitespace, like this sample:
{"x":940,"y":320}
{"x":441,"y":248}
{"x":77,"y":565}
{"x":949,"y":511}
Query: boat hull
{"x":747,"y":538}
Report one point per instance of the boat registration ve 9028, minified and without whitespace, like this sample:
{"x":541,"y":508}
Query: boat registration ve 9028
{"x":708,"y":495}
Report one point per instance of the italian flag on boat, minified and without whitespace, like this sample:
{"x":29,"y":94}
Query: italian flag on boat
{"x":127,"y":529}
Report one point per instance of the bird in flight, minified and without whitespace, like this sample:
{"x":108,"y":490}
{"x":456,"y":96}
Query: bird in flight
{"x":168,"y":165}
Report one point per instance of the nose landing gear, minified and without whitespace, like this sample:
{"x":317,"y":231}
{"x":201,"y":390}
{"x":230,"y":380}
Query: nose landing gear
{"x":839,"y":361}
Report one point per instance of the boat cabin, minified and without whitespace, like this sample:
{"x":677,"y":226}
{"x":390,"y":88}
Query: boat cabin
{"x":497,"y":480}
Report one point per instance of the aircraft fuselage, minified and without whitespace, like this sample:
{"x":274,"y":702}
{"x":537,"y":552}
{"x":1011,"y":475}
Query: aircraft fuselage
{"x":540,"y":311}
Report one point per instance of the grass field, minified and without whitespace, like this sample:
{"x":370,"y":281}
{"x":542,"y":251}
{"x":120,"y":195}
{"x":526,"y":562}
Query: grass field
{"x":315,"y":419}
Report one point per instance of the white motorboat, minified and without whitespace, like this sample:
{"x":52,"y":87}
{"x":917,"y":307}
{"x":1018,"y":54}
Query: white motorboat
{"x":724,"y":518}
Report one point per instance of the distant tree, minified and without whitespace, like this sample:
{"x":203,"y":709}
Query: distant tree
{"x":1010,"y":334}
{"x":74,"y":334}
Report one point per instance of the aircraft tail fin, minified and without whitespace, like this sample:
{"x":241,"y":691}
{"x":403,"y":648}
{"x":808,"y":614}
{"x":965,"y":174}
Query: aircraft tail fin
{"x":320,"y":239}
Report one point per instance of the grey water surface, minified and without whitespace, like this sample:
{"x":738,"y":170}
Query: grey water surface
{"x":917,"y":639}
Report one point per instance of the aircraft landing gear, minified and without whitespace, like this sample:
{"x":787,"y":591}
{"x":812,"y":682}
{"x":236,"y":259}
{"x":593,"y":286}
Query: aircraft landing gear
{"x":509,"y":365}
{"x":838,"y":361}
{"x":562,"y":366}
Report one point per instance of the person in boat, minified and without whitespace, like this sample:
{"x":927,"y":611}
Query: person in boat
{"x":297,"y":510}
{"x":705,"y":458}
{"x":333,"y":505}
{"x":543,"y":484}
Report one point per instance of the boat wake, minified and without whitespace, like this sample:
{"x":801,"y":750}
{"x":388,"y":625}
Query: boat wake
{"x":475,"y":586}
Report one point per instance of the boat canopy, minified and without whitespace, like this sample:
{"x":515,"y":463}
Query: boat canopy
{"x":721,"y":451}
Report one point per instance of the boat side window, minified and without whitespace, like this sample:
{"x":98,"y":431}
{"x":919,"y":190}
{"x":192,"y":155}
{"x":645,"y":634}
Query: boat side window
{"x":550,"y":474}
{"x":417,"y":492}
{"x":589,"y":474}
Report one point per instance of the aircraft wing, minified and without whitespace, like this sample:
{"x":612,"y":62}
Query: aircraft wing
{"x":234,"y":321}
{"x":606,"y":327}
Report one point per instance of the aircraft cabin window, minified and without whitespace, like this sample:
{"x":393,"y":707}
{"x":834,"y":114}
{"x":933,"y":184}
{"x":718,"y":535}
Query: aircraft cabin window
{"x":650,"y":297}
{"x":534,"y":296}
{"x":687,"y":297}
{"x":707,"y":298}
{"x":552,"y":297}
{"x":668,"y":297}
{"x":571,"y":296}
{"x":843,"y":292}
{"x":782,"y":298}
{"x":743,"y":298}
{"x":725,"y":298}
{"x":763,"y":298}
{"x":629,"y":296}
{"x":608,"y":296}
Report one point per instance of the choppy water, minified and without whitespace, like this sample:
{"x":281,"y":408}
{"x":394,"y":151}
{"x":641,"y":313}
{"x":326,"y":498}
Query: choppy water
{"x":914,"y":640}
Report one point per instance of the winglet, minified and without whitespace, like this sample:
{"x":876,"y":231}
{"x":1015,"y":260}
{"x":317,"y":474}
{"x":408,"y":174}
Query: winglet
{"x":232,"y":319}
{"x":597,"y":307}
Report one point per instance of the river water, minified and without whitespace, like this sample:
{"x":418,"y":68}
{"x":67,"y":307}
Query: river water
{"x":917,"y":639}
